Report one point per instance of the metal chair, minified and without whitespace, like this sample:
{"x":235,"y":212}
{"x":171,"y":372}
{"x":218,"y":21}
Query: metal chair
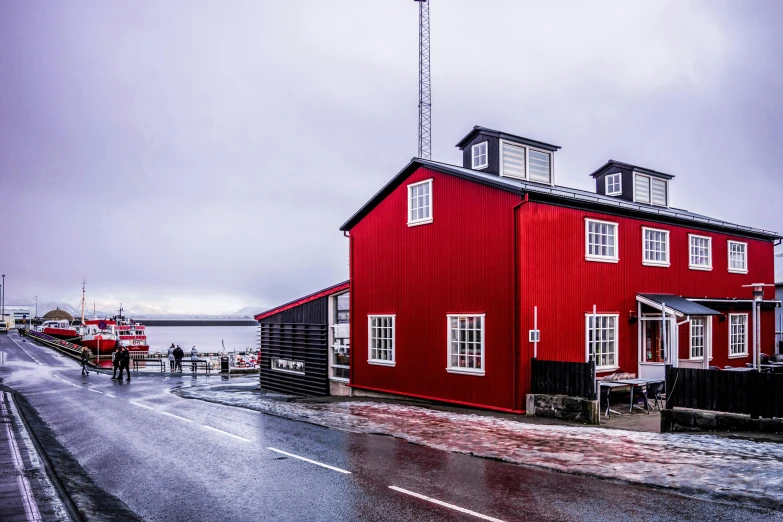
{"x":654,"y":395}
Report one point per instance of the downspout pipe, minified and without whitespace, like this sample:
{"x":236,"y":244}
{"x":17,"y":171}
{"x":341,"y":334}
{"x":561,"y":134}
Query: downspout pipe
{"x":517,"y":291}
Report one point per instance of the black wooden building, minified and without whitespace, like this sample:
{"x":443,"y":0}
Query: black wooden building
{"x":294,"y":344}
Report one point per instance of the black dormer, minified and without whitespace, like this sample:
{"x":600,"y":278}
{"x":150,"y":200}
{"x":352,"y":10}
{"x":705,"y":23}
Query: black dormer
{"x":633,"y":183}
{"x":502,"y":154}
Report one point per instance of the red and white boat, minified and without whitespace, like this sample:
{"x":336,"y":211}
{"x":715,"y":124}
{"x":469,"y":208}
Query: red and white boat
{"x":132,"y":334}
{"x":99,"y":336}
{"x":60,"y":329}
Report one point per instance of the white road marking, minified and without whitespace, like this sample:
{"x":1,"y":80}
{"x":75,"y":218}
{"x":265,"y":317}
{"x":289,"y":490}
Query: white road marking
{"x":110,"y":395}
{"x":225,"y":433}
{"x":445,"y":504}
{"x":96,"y":391}
{"x":176,"y":416}
{"x":327,"y":466}
{"x":142,"y":405}
{"x":25,"y":351}
{"x":30,"y":507}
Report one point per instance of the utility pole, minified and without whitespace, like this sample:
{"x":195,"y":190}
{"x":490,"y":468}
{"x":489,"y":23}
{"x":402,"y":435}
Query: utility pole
{"x":2,"y":300}
{"x":425,"y":99}
{"x":36,"y":306}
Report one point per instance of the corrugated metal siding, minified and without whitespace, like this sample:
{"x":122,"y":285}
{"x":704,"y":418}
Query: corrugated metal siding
{"x":460,"y":263}
{"x":557,"y":278}
{"x":314,"y":312}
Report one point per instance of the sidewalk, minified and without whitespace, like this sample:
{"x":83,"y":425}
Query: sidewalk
{"x":25,"y":491}
{"x":706,"y":466}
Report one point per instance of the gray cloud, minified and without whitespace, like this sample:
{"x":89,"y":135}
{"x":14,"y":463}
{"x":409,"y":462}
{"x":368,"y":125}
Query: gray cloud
{"x":200,"y":157}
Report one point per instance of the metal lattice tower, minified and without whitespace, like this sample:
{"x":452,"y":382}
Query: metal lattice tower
{"x":425,"y":100}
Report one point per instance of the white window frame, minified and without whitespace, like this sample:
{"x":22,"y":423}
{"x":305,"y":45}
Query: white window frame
{"x":382,"y":362}
{"x":619,"y":190}
{"x":650,"y":262}
{"x":527,"y":148}
{"x":423,"y":221}
{"x":707,"y":267}
{"x":747,"y":337}
{"x":588,"y":316}
{"x":745,"y":250}
{"x":459,"y":369}
{"x":602,"y":259}
{"x":703,"y":339}
{"x":474,"y":156}
{"x":650,"y":178}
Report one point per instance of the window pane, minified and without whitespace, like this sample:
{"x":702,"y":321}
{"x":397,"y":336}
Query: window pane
{"x":659,"y":192}
{"x":642,"y":187}
{"x":465,"y":341}
{"x":513,"y":160}
{"x":539,"y":166}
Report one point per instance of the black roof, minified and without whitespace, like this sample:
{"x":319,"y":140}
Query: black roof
{"x":679,"y":304}
{"x":614,"y":163}
{"x":564,"y":196}
{"x":511,"y":137}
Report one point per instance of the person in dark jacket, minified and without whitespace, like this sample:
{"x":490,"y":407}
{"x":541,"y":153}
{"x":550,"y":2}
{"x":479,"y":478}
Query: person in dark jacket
{"x":124,"y":362}
{"x":86,"y":356}
{"x":178,"y":355}
{"x":115,"y":360}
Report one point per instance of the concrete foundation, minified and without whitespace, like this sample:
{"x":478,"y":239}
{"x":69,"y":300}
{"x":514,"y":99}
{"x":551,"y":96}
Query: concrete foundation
{"x":686,"y":420}
{"x":339,"y":389}
{"x":575,"y":409}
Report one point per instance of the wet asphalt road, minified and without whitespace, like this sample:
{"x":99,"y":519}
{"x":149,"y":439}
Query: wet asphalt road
{"x":174,"y":459}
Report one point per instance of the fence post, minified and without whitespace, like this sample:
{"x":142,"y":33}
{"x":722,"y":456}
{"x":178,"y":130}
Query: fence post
{"x":667,"y":369}
{"x":753,"y":389}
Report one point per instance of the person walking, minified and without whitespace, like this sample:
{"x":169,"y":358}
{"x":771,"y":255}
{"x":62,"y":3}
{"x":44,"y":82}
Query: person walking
{"x":193,"y":357}
{"x":178,"y":355}
{"x":115,"y":360}
{"x":171,"y":358}
{"x":86,"y":356}
{"x":124,"y":362}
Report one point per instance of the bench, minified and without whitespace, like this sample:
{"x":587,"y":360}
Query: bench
{"x":150,"y":360}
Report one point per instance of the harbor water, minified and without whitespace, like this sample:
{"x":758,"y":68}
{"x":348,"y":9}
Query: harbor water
{"x":206,"y":339}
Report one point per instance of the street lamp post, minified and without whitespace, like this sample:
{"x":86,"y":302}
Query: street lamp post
{"x":2,"y":303}
{"x":36,"y":306}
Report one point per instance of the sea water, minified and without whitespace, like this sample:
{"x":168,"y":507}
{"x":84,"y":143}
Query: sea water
{"x":206,"y":339}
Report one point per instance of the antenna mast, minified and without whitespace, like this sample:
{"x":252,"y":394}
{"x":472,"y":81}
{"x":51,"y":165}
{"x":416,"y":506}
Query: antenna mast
{"x":425,"y":100}
{"x":84,"y":281}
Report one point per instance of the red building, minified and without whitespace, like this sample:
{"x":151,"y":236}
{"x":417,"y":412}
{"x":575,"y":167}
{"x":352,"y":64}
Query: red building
{"x":448,"y":263}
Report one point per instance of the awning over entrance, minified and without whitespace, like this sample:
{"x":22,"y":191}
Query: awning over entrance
{"x":675,"y":304}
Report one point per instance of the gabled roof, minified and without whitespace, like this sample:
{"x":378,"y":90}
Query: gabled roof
{"x":614,"y":163}
{"x":339,"y":287}
{"x":564,"y":196}
{"x":679,"y":305}
{"x":503,"y":135}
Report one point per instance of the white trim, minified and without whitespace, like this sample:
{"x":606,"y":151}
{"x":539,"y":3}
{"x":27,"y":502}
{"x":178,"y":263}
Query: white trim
{"x":709,"y":253}
{"x":526,"y":175}
{"x":647,"y":262}
{"x":590,"y":315}
{"x":650,"y":178}
{"x":423,"y":221}
{"x":728,"y":248}
{"x":619,"y":191}
{"x":604,"y":259}
{"x":747,"y":337}
{"x":382,"y":362}
{"x":473,"y":156}
{"x":458,"y":369}
{"x":703,"y":338}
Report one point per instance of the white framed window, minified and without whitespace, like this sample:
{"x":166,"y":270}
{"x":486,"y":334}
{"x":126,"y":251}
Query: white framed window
{"x":466,"y":343}
{"x":660,"y":192}
{"x":601,"y":338}
{"x":380,"y":342}
{"x":641,"y":188}
{"x":738,"y":335}
{"x":420,"y":203}
{"x":650,"y":190}
{"x":698,"y":331}
{"x":738,"y":257}
{"x":523,"y":162}
{"x":614,"y":184}
{"x":480,"y":154}
{"x":700,"y":252}
{"x":600,"y":241}
{"x":655,"y":247}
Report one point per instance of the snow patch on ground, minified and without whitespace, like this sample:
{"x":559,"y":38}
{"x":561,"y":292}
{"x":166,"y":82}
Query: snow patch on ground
{"x":703,"y":465}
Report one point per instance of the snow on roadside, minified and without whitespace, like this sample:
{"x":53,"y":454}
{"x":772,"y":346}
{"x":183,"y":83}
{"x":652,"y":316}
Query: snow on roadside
{"x":705,"y":465}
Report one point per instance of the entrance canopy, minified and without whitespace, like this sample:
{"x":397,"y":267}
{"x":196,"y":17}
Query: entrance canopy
{"x":679,"y":306}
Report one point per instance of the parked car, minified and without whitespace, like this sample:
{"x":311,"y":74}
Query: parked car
{"x":3,"y":327}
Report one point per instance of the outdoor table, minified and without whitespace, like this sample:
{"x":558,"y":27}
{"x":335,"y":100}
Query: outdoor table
{"x":738,"y":369}
{"x":640,"y":383}
{"x":610,"y":385}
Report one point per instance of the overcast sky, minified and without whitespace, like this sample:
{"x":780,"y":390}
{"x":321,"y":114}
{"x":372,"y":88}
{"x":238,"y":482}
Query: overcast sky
{"x":200,"y":156}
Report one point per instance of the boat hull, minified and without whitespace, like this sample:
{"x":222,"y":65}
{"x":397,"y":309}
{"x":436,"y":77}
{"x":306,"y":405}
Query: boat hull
{"x":61,"y":333}
{"x":99,"y":346}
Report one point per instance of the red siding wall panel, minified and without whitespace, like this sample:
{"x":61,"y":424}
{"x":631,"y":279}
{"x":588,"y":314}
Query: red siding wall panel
{"x":462,"y":262}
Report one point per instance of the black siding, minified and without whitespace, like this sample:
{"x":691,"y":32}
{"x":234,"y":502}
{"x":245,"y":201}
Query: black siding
{"x":300,"y":334}
{"x":493,"y":154}
{"x":627,"y":182}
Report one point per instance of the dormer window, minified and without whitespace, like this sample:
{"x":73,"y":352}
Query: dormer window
{"x":480,"y":155}
{"x":652,"y":191}
{"x":521,"y":162}
{"x":614,"y":184}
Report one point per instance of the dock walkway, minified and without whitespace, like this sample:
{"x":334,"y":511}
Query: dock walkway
{"x":26,"y":494}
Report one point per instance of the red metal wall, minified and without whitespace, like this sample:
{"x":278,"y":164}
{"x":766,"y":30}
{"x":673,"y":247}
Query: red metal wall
{"x":556,"y":277}
{"x":460,"y":263}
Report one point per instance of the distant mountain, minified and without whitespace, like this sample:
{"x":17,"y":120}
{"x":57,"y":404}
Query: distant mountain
{"x":249,"y":311}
